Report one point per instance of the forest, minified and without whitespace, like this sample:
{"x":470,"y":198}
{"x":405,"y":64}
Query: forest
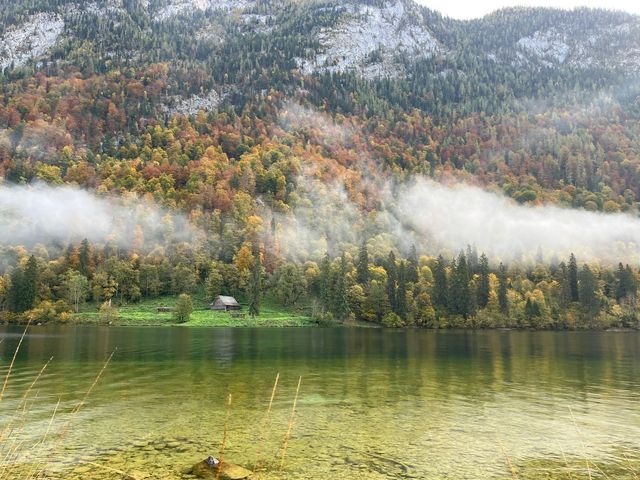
{"x":96,"y":118}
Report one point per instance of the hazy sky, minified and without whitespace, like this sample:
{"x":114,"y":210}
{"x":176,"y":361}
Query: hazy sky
{"x":478,"y":8}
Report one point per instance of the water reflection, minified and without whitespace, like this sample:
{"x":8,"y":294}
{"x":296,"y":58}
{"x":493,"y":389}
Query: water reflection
{"x":437,"y":403}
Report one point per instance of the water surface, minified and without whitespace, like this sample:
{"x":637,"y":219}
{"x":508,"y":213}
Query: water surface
{"x":373,"y":403}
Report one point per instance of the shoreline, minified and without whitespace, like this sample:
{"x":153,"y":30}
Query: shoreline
{"x":298,"y":323}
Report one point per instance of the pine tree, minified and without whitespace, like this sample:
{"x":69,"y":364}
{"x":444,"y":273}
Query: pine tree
{"x":621,"y":286}
{"x":431,"y":160}
{"x":325,"y":282}
{"x":30,"y":284}
{"x":631,"y":282}
{"x":392,"y":281}
{"x":572,"y":273}
{"x":412,"y":267}
{"x":532,"y":308}
{"x":14,"y":299}
{"x":563,"y":280}
{"x":461,"y":298}
{"x":401,"y":300}
{"x":588,"y":286}
{"x":24,"y":286}
{"x":255,"y":285}
{"x":472,"y":259}
{"x":625,"y":283}
{"x":440,"y":285}
{"x":503,"y":299}
{"x":84,"y":256}
{"x":363,"y":265}
{"x":483,"y":284}
{"x":340,"y":301}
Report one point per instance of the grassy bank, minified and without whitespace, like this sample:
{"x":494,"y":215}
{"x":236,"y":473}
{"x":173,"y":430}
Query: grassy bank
{"x":145,"y":313}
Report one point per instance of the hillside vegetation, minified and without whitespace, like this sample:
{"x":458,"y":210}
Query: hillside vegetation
{"x":254,"y":119}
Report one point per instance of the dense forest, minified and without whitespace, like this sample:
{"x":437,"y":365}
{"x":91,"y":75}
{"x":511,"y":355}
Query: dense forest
{"x":104,"y":110}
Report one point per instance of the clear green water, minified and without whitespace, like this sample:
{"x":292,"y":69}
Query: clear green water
{"x":374,"y":404}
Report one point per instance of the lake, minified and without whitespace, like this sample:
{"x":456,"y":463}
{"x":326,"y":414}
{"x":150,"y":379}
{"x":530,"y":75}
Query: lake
{"x":373,"y":403}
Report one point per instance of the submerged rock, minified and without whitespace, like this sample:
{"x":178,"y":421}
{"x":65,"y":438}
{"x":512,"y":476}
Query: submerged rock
{"x":221,"y":471}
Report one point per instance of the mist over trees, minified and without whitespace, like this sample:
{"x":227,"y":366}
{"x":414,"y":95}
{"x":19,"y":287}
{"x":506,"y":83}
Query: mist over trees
{"x":466,"y":290}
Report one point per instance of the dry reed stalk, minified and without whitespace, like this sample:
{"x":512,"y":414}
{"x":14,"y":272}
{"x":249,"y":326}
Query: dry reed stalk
{"x":514,"y":474}
{"x":14,"y":448}
{"x":33,"y":384}
{"x":75,"y":411}
{"x":584,"y":452}
{"x":79,"y":406}
{"x":601,"y":471}
{"x":224,"y":433}
{"x":285,"y":443}
{"x":10,"y":427}
{"x":265,"y":423}
{"x":566,"y":462}
{"x":36,"y":469}
{"x":15,"y":354}
{"x":55,"y":410}
{"x":12,"y":451}
{"x":633,"y":470}
{"x":273,"y":395}
{"x":8,"y":459}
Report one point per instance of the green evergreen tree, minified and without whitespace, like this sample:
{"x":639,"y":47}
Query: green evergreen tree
{"x":472,"y":259}
{"x":401,"y":300}
{"x":621,"y":285}
{"x":565,"y":289}
{"x":431,"y":160}
{"x":29,"y":285}
{"x":461,"y":298}
{"x":532,"y":309}
{"x":483,"y":283}
{"x":503,"y":299}
{"x":626,"y":285}
{"x":392,"y":281}
{"x":14,"y":296}
{"x":572,"y":272}
{"x":325,"y":282}
{"x":255,"y":284}
{"x":412,"y":266}
{"x":340,"y":300}
{"x":588,"y":291}
{"x":631,"y":288}
{"x":362,"y":268}
{"x":84,"y":257}
{"x":440,"y":285}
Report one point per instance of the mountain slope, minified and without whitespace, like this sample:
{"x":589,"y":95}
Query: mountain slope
{"x":368,"y":39}
{"x":581,"y":38}
{"x":371,"y":38}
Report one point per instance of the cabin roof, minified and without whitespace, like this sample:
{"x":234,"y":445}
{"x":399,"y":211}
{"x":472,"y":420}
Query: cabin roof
{"x":225,"y":300}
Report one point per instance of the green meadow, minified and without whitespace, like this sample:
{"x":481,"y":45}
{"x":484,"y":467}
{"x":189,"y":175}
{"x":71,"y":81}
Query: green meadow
{"x":146,"y":313}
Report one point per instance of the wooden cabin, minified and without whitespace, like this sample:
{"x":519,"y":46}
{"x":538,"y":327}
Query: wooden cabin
{"x":225,"y":304}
